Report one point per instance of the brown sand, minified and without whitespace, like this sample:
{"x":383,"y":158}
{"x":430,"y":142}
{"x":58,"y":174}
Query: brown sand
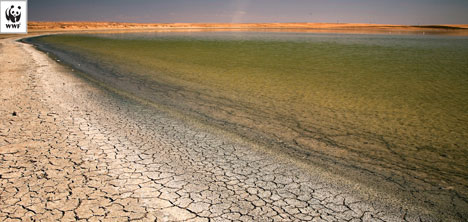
{"x":302,"y":27}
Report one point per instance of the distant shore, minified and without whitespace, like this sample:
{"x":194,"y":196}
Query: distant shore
{"x":452,"y":29}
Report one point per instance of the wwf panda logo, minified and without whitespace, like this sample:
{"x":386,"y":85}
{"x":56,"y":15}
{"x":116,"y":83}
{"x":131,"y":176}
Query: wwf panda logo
{"x":13,"y":15}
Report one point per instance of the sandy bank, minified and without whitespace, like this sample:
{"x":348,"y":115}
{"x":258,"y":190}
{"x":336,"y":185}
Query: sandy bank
{"x":301,"y":27}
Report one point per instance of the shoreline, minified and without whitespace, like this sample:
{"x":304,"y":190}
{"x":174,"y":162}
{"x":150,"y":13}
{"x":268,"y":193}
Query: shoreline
{"x":112,"y":25}
{"x":94,"y":114}
{"x":41,"y":28}
{"x":343,"y":28}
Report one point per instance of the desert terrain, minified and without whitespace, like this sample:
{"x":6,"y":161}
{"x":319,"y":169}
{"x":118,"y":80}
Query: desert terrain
{"x":461,"y":29}
{"x":33,"y":26}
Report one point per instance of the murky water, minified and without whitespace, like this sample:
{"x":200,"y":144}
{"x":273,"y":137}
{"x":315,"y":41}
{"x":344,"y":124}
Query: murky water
{"x":389,"y":107}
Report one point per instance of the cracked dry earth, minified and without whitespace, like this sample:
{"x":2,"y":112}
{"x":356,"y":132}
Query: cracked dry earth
{"x":76,"y":152}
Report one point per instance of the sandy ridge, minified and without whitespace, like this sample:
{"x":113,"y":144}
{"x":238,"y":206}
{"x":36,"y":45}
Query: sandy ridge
{"x":351,"y":28}
{"x":113,"y":25}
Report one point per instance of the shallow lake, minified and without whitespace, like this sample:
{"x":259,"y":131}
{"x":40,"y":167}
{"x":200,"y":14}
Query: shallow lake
{"x":393,"y":107}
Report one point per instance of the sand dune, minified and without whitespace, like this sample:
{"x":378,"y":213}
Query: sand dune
{"x":62,"y":26}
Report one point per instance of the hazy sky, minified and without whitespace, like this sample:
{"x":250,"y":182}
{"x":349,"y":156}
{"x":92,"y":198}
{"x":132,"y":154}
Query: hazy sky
{"x":365,"y":11}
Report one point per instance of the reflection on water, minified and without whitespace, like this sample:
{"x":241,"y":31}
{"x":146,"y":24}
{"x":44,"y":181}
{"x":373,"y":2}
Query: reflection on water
{"x":393,"y":108}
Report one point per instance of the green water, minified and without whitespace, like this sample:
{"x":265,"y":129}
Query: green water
{"x":391,"y":106}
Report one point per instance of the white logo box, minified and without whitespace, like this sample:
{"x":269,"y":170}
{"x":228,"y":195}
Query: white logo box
{"x":13,"y":16}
